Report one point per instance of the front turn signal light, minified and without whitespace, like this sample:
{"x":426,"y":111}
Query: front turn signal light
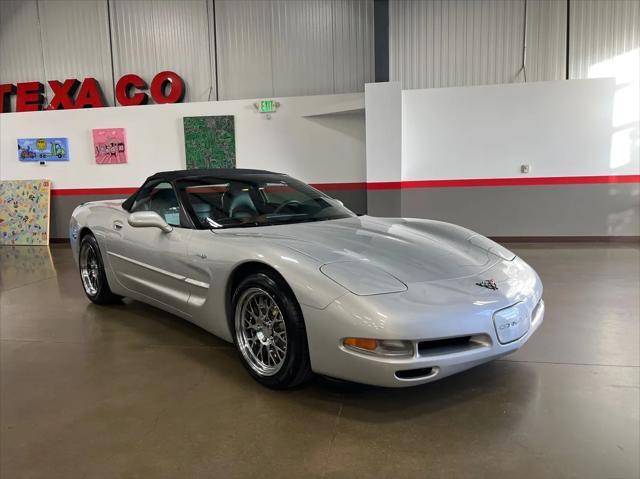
{"x":380,"y":347}
{"x":361,"y":343}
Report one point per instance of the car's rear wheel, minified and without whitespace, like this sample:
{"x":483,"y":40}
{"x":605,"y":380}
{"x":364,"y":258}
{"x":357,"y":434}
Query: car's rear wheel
{"x":92,"y":275}
{"x":269,"y":332}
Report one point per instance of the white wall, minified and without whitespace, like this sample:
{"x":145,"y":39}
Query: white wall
{"x":383,"y":111}
{"x":317,"y":149}
{"x":563,"y":128}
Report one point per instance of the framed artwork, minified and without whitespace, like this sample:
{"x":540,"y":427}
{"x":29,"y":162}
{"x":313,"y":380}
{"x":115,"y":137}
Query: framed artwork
{"x":43,"y":149}
{"x":209,"y":141}
{"x":24,"y":212}
{"x":110,"y":146}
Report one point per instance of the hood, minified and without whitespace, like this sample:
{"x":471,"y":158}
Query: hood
{"x":411,"y":250}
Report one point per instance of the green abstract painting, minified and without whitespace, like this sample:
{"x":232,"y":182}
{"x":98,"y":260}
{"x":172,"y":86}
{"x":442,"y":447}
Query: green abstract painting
{"x":210,"y":141}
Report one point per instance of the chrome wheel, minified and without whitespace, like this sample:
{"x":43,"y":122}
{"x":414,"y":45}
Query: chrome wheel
{"x":89,"y":269}
{"x":260,"y":331}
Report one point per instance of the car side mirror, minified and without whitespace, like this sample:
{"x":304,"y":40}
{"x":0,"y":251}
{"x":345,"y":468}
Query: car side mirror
{"x":148,"y":219}
{"x":338,"y":201}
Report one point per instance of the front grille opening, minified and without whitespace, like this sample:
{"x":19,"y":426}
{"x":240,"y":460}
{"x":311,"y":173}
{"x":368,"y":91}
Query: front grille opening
{"x":453,"y":345}
{"x":414,"y":373}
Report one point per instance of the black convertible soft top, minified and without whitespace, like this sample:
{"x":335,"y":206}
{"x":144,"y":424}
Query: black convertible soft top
{"x":223,"y":173}
{"x":220,"y":173}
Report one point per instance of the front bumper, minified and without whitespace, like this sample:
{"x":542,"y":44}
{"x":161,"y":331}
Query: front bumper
{"x":451,"y":314}
{"x":421,"y":368}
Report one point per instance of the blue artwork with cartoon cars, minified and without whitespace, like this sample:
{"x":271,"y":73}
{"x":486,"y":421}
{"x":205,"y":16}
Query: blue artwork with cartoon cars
{"x":43,"y":149}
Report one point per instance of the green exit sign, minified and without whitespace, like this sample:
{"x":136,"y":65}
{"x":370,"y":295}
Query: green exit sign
{"x":267,"y":106}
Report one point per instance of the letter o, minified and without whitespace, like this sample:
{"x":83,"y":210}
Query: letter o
{"x":176,"y":90}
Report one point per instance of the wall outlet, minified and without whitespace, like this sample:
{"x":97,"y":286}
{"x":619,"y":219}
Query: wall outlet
{"x":524,"y":169}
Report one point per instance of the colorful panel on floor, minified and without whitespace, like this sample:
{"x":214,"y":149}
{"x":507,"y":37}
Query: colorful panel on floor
{"x":24,"y":212}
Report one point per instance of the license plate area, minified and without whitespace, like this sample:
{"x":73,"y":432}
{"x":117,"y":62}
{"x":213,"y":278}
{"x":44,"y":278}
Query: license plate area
{"x":512,"y":323}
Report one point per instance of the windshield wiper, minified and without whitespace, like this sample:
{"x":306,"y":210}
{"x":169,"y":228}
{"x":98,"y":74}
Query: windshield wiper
{"x":213,"y":224}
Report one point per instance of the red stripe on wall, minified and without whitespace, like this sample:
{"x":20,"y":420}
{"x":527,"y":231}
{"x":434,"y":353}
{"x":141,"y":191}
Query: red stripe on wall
{"x":92,"y":191}
{"x":539,"y":181}
{"x":339,"y":186}
{"x":397,"y":185}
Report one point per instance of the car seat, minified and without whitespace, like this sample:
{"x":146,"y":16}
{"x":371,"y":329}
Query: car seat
{"x":165,"y":203}
{"x":238,"y":203}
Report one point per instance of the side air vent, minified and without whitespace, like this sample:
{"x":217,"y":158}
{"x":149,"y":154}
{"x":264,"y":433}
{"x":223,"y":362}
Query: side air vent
{"x":420,"y":373}
{"x":438,"y":347}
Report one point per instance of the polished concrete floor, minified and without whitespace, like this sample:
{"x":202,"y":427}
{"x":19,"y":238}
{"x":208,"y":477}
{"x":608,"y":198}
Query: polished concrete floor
{"x":130,"y":391}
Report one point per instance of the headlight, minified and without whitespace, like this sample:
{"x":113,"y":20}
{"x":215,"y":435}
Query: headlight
{"x":492,"y":247}
{"x":380,"y":347}
{"x":362,"y":278}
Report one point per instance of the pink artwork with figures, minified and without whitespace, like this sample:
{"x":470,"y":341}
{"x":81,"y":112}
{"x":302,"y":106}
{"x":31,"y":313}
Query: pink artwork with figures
{"x":110,"y":146}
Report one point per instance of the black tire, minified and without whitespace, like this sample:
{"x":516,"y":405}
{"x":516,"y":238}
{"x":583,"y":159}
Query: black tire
{"x":295,"y":368}
{"x":98,"y":292}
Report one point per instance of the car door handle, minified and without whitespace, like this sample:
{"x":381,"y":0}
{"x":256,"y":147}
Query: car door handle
{"x":117,"y":225}
{"x":201,"y":255}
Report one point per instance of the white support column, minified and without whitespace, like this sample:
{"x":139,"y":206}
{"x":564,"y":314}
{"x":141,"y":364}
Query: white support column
{"x":383,"y":112}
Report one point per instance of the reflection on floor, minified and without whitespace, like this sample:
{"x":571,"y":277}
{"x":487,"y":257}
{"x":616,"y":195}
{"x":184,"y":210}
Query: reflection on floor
{"x":21,"y":265}
{"x":130,"y":391}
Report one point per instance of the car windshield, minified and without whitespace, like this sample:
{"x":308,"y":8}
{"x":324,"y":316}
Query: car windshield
{"x":240,"y":203}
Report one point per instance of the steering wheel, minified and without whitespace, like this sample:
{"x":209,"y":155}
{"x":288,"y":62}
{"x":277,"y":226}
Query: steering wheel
{"x":285,"y":204}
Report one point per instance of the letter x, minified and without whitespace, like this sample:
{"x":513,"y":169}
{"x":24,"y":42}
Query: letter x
{"x":63,"y":94}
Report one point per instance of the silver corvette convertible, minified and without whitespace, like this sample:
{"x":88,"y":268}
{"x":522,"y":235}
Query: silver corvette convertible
{"x":301,"y":284}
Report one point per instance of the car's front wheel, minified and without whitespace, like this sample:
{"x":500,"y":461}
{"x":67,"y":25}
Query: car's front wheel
{"x":269,"y":332}
{"x":92,"y":274}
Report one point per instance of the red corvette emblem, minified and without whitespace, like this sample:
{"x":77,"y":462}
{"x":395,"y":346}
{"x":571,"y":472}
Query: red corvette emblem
{"x":489,"y":284}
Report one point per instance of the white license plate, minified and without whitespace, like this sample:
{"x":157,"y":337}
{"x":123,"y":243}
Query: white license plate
{"x":512,"y":323}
